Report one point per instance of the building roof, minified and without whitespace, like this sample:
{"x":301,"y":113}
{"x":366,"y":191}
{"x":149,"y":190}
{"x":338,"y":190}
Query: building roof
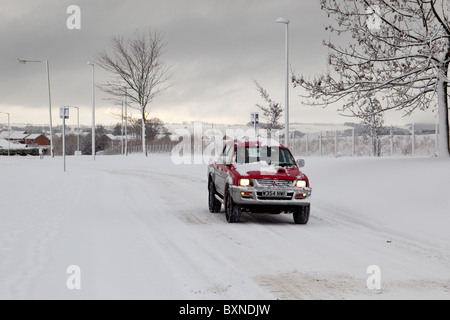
{"x":33,"y":136}
{"x":117,"y":138}
{"x":110,"y":136}
{"x":15,"y":135}
{"x":4,"y":134}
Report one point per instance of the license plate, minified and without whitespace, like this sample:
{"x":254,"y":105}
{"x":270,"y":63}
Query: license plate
{"x":274,"y":194}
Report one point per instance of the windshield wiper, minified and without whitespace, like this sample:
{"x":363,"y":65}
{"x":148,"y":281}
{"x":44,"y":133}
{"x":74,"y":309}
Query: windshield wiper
{"x":286,"y":164}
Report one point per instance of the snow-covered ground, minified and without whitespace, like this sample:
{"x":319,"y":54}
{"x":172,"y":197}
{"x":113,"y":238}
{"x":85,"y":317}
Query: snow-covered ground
{"x":139,"y":228}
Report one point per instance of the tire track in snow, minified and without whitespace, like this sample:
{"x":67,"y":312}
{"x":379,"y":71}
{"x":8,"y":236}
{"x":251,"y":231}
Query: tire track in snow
{"x":330,"y":232}
{"x":269,"y":226}
{"x":272,"y":227}
{"x":396,"y":237}
{"x":201,"y":268}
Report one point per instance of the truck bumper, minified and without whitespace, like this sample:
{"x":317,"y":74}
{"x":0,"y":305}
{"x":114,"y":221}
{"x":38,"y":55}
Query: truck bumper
{"x":257,"y":197}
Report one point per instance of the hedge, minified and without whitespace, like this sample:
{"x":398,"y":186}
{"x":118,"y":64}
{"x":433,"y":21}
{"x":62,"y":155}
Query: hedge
{"x":20,"y":152}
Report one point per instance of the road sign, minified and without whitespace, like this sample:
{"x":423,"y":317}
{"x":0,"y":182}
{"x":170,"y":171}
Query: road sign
{"x":254,"y":117}
{"x":64,"y":112}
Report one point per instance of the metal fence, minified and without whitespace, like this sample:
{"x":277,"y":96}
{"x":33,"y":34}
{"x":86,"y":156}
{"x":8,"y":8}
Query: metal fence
{"x":327,"y":144}
{"x":337,"y":144}
{"x":152,"y":148}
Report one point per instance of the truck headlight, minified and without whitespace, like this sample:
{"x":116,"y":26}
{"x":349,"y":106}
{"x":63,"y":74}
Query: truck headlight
{"x":300,"y":184}
{"x":245,"y":182}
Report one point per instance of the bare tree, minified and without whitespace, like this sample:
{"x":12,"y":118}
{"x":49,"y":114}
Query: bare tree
{"x":398,"y":51}
{"x":138,"y":64}
{"x":272,"y":112}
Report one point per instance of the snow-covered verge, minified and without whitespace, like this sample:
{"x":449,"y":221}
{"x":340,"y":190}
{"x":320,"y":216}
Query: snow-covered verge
{"x":139,"y":228}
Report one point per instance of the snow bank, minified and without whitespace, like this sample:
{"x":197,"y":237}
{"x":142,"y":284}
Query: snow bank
{"x":12,"y":145}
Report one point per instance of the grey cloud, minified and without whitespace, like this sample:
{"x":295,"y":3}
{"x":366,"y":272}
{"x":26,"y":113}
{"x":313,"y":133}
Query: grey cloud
{"x":216,"y":49}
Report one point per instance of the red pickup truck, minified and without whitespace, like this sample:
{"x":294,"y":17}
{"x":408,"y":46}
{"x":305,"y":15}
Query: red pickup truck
{"x":258,"y":177}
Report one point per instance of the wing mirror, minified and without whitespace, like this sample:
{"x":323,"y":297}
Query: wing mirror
{"x":300,"y":163}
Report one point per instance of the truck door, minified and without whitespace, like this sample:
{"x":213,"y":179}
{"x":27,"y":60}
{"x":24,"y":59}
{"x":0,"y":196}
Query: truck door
{"x":221,"y":173}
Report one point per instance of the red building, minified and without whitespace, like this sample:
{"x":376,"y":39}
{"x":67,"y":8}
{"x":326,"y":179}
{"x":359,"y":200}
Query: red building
{"x":34,"y":140}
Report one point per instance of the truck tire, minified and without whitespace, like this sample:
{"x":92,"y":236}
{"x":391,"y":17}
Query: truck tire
{"x":213,"y":204}
{"x":301,"y":214}
{"x":232,"y":210}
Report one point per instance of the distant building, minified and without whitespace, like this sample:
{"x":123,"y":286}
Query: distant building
{"x":37,"y":140}
{"x":16,"y":136}
{"x":111,"y":141}
{"x":23,"y":137}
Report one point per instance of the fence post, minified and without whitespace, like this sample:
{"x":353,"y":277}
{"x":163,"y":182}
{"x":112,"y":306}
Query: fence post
{"x":413,"y":138}
{"x":320,"y":144}
{"x":373,"y":146}
{"x":293,"y":143}
{"x":353,"y":142}
{"x":377,"y":146}
{"x":392,"y":141}
{"x":306,"y":144}
{"x":436,"y":139}
{"x":335,"y":143}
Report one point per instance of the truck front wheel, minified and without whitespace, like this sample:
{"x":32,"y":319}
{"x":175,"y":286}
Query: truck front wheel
{"x":301,"y":214}
{"x":232,"y":210}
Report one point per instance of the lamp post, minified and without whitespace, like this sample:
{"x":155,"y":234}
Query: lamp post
{"x":23,"y":61}
{"x":78,"y":127}
{"x":122,"y":138}
{"x":9,"y":129}
{"x":64,"y":114}
{"x":126,"y":123}
{"x":286,"y":111}
{"x":254,"y":119}
{"x":93,"y":108}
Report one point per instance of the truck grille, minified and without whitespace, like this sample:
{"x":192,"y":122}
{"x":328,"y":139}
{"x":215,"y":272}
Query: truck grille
{"x":274,"y":183}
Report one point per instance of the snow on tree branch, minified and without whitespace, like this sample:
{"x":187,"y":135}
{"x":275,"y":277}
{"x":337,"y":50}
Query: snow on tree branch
{"x":403,"y":59}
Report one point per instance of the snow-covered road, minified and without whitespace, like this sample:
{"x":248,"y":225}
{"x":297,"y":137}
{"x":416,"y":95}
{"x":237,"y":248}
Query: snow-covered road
{"x":140,"y":229}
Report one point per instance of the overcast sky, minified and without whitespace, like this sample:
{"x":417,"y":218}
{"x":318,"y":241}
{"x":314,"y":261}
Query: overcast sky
{"x":216,"y":48}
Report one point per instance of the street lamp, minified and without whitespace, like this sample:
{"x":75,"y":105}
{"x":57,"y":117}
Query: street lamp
{"x":23,"y":61}
{"x":9,"y":128}
{"x":126,"y":123}
{"x":78,"y":125}
{"x":122,"y":137}
{"x":286,"y":111}
{"x":93,"y":108}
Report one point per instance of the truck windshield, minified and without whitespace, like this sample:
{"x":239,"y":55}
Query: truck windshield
{"x":271,"y":155}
